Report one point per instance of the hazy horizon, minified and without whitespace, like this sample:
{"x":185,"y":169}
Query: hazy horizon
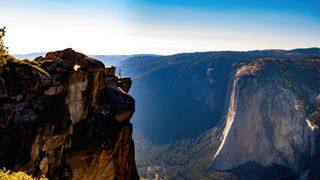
{"x":159,"y":27}
{"x":30,"y":53}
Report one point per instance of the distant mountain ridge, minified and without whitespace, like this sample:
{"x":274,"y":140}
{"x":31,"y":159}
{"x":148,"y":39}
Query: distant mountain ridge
{"x":189,"y":88}
{"x":30,"y":56}
{"x":108,"y":60}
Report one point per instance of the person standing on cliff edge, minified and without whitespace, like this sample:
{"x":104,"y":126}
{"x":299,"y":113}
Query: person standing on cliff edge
{"x":120,"y":73}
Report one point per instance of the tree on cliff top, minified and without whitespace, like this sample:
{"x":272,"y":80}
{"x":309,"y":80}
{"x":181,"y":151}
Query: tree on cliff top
{"x":3,"y":48}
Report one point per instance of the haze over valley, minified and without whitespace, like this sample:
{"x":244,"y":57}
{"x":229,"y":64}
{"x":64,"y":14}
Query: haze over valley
{"x":160,"y":89}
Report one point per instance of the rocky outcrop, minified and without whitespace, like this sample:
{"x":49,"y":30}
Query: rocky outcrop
{"x":273,"y":116}
{"x":65,"y":116}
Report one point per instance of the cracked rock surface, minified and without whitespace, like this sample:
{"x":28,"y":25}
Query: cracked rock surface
{"x":65,"y":123}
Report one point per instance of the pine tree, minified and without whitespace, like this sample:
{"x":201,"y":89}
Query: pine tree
{"x":3,"y":48}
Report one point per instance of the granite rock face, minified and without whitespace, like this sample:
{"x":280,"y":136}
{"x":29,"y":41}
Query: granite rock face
{"x":273,"y":117}
{"x":65,"y":116}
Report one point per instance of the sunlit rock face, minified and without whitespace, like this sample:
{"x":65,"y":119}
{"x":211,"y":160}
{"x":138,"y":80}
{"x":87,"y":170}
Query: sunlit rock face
{"x":192,"y":89}
{"x":66,"y":123}
{"x":273,"y":116}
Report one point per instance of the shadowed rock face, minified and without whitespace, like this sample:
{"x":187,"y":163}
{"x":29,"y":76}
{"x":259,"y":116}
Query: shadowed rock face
{"x":273,"y":116}
{"x":65,"y":123}
{"x":192,"y":89}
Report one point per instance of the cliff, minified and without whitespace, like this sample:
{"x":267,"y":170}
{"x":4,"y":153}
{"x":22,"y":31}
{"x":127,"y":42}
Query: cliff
{"x":65,"y":116}
{"x":197,"y":85}
{"x":273,"y":117}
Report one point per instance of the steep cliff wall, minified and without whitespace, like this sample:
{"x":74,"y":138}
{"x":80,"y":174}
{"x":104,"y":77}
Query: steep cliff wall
{"x":65,"y":116}
{"x":192,"y":89}
{"x":273,"y":116}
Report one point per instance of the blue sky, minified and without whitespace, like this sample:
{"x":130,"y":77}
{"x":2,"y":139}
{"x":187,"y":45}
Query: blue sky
{"x":159,"y":27}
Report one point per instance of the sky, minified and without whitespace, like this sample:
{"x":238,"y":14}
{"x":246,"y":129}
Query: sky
{"x":159,"y":27}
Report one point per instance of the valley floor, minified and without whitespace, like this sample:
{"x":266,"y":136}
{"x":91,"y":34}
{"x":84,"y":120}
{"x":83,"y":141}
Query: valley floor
{"x":186,"y":159}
